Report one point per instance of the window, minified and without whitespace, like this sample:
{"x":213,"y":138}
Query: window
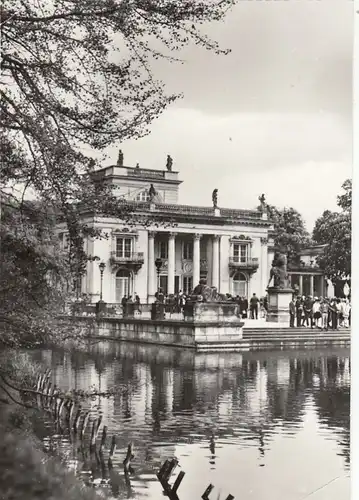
{"x":240,"y":286}
{"x":163,"y":249}
{"x":187,"y":284}
{"x":240,"y":253}
{"x":164,"y":283}
{"x":188,"y":250}
{"x":123,"y":284}
{"x":124,"y":247}
{"x":143,"y":196}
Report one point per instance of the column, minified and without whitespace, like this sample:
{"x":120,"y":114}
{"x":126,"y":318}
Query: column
{"x":171,"y":263}
{"x":215,"y":261}
{"x":196,"y":259}
{"x":151,"y":287}
{"x":264,"y":265}
{"x":311,"y":288}
{"x":300,"y":284}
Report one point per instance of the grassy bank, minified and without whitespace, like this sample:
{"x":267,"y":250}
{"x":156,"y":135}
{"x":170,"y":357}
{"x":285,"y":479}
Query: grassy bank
{"x":26,"y":471}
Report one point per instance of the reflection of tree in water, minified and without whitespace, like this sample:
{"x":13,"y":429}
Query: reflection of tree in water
{"x":198,"y":394}
{"x":333,"y":402}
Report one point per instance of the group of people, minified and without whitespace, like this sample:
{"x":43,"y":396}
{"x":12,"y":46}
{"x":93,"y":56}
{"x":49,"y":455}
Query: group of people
{"x":319,"y":312}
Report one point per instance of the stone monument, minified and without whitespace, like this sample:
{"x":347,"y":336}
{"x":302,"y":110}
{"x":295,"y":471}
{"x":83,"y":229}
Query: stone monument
{"x":169,"y":163}
{"x":279,"y":293}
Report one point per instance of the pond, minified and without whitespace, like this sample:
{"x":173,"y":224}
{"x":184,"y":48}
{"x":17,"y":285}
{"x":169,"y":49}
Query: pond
{"x":259,"y":425}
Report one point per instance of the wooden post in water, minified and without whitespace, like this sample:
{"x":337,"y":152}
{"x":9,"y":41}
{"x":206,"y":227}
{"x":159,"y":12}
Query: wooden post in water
{"x":61,"y":408}
{"x":207,"y":492}
{"x":103,"y":438}
{"x":71,"y":412}
{"x":112,"y":449}
{"x":77,"y":420}
{"x":129,"y":456}
{"x":84,"y":425}
{"x":95,"y":427}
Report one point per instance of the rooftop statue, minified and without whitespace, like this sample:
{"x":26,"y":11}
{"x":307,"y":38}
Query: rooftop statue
{"x":120,"y":159}
{"x":279,"y":273}
{"x":169,"y":163}
{"x":137,"y":165}
{"x":152,"y":192}
{"x":262,"y":200}
{"x":215,"y":198}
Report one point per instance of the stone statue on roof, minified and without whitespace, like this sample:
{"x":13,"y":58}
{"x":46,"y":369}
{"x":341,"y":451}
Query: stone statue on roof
{"x":215,"y":198}
{"x":137,"y":165}
{"x":169,"y":163}
{"x":262,"y":201}
{"x":152,"y":192}
{"x":120,"y":159}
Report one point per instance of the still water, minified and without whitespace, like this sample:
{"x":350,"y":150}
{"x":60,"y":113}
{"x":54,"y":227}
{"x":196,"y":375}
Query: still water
{"x":261,"y":426}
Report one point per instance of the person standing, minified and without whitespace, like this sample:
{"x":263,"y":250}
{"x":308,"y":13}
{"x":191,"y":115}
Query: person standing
{"x":254,"y":306}
{"x":333,"y":314}
{"x":308,"y":304}
{"x":316,"y":312}
{"x":324,"y":310}
{"x":291,"y":313}
{"x":299,"y":311}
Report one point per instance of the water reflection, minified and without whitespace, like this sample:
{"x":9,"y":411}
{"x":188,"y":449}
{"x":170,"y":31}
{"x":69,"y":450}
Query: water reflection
{"x":230,"y":419}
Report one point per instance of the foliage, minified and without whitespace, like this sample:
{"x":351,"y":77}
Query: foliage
{"x":74,"y":80}
{"x":333,"y":229}
{"x":290,"y":235}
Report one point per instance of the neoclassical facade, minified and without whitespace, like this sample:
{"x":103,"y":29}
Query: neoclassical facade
{"x":231,"y":248}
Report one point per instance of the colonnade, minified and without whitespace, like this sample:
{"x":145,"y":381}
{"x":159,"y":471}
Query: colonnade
{"x":196,"y":270}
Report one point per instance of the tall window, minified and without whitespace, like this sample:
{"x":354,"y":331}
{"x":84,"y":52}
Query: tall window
{"x":143,"y":196}
{"x":164,"y":283}
{"x":163,"y":249}
{"x":188,"y":250}
{"x":124,"y":247}
{"x":123,"y":284}
{"x":187,"y":284}
{"x":240,"y":286}
{"x":240,"y":253}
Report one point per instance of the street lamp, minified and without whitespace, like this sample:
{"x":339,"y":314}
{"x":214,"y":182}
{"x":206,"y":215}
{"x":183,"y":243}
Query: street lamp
{"x":158,"y":264}
{"x":101,"y":266}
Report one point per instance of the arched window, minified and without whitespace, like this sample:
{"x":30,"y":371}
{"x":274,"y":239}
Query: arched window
{"x":123,"y":284}
{"x":240,"y":284}
{"x":143,"y":196}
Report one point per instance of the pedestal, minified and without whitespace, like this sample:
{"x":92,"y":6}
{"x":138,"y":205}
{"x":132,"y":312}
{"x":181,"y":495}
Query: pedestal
{"x":278,"y":305}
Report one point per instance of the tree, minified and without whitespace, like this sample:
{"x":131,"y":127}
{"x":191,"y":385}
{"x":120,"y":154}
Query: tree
{"x":333,"y":229}
{"x":290,"y":235}
{"x":75,"y":80}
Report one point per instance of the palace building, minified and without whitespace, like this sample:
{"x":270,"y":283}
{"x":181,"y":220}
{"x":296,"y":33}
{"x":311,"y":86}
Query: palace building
{"x":231,"y":248}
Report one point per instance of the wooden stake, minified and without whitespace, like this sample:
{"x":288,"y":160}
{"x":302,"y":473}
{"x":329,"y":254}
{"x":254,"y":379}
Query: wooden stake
{"x":84,"y":424}
{"x":61,"y":407}
{"x":103,"y":438}
{"x":93,"y":435}
{"x":207,"y":492}
{"x":77,"y":419}
{"x":230,"y":497}
{"x":113,"y":447}
{"x":129,"y":456}
{"x":178,"y":481}
{"x":71,"y":412}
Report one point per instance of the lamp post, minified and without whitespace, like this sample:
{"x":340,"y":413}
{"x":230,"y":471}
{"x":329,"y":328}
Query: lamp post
{"x":101,"y":266}
{"x":158,"y":264}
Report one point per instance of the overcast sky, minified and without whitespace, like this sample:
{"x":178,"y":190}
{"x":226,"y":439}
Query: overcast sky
{"x":272,"y":117}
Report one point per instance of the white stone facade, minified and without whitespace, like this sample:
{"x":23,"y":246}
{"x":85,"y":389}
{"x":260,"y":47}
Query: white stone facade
{"x":230,"y":248}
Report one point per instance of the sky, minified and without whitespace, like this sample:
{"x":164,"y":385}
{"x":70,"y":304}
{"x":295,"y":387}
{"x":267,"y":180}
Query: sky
{"x":274,"y":116}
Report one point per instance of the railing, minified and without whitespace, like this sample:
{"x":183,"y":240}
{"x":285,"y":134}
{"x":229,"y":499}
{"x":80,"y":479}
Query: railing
{"x":248,"y":264}
{"x":155,"y":174}
{"x":132,"y":257}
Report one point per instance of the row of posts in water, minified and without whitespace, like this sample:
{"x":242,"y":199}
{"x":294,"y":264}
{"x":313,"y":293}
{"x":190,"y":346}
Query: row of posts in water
{"x":59,"y":405}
